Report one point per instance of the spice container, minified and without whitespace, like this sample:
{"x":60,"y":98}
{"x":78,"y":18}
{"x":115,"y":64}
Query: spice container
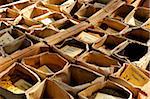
{"x":131,"y":51}
{"x":71,"y":48}
{"x":64,"y":24}
{"x":47,"y":89}
{"x":45,"y":64}
{"x":18,"y":80}
{"x":122,"y":12}
{"x":133,"y":78}
{"x":75,"y":78}
{"x":112,"y":26}
{"x":138,"y":17}
{"x":105,"y":90}
{"x":108,"y":44}
{"x":138,"y":34}
{"x":86,"y":11}
{"x":99,"y":62}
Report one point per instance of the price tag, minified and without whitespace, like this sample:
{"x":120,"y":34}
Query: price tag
{"x":87,"y":37}
{"x":6,"y":38}
{"x":134,"y":75}
{"x":71,"y":51}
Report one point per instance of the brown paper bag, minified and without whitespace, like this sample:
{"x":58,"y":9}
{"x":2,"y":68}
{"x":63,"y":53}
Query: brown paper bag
{"x":72,"y":8}
{"x":75,"y":78}
{"x":21,"y":5}
{"x":89,"y":36}
{"x":57,"y":5}
{"x":2,"y":2}
{"x":108,"y":44}
{"x":146,"y":25}
{"x":7,"y":13}
{"x":133,"y":78}
{"x":18,"y":55}
{"x":105,"y":90}
{"x":112,"y":26}
{"x":138,"y":17}
{"x":49,"y":89}
{"x":26,"y":24}
{"x":106,"y":11}
{"x":51,"y":7}
{"x":122,"y":12}
{"x":43,"y":32}
{"x":64,"y":24}
{"x":131,"y":51}
{"x":49,"y":18}
{"x":71,"y":48}
{"x":99,"y":62}
{"x":17,"y":80}
{"x":86,"y":11}
{"x":13,"y":3}
{"x":45,"y":64}
{"x":34,"y":11}
{"x":138,"y":34}
{"x":105,"y":2}
{"x":13,"y":41}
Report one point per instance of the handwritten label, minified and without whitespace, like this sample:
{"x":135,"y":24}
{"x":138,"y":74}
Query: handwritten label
{"x":71,"y":51}
{"x":45,"y":69}
{"x":134,"y":75}
{"x":6,"y":38}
